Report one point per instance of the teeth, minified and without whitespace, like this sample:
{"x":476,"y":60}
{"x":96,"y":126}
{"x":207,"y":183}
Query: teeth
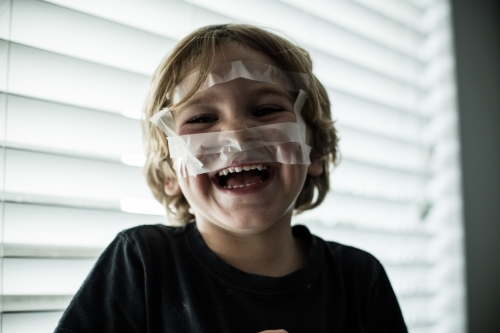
{"x":240,"y":186}
{"x":259,"y":167}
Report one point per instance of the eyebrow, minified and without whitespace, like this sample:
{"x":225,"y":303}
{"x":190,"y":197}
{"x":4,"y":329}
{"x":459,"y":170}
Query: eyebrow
{"x":199,"y":100}
{"x":272,"y":89}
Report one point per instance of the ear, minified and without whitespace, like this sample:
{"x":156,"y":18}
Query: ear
{"x":315,"y":168}
{"x":171,"y":187}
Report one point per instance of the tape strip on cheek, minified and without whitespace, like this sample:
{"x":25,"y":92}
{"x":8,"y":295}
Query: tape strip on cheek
{"x":184,"y":159}
{"x":164,"y":121}
{"x":297,"y":108}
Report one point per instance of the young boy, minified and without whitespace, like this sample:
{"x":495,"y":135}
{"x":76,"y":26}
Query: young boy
{"x":240,"y":137}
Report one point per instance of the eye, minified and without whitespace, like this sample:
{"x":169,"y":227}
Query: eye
{"x":266,"y":110}
{"x":202,"y":118}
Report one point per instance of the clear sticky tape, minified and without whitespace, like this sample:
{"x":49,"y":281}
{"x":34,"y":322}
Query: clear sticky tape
{"x":251,"y":70}
{"x":200,"y":153}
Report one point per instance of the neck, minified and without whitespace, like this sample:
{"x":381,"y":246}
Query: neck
{"x":273,"y":252}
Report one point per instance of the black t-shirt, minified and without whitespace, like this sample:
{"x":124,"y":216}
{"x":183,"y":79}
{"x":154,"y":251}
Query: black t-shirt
{"x":166,"y":279}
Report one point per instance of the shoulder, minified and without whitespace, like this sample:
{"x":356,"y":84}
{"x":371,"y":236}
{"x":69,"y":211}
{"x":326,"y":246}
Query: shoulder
{"x":349,"y":261}
{"x":367,"y":288}
{"x":350,"y":254}
{"x":333,"y":250}
{"x":151,"y":232}
{"x":148,"y":241}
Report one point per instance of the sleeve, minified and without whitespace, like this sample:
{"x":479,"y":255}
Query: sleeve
{"x":111,"y":298}
{"x":383,"y":307}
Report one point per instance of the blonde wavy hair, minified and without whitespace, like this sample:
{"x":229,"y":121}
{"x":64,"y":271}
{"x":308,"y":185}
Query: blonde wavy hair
{"x":198,"y":50}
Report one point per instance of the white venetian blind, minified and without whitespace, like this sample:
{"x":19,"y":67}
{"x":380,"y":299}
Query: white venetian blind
{"x":74,"y":74}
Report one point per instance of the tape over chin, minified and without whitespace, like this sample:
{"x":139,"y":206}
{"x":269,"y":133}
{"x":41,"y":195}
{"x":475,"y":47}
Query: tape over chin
{"x":200,"y":153}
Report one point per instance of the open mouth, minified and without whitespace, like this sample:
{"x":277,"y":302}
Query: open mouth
{"x":242,"y":176}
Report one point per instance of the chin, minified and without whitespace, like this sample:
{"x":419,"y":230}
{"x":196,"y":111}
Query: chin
{"x":255,"y":222}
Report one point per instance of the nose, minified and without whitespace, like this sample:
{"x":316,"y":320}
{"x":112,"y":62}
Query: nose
{"x":236,"y":131}
{"x":234,"y":123}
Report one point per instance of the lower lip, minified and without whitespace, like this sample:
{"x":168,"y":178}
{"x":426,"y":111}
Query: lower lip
{"x":250,"y":188}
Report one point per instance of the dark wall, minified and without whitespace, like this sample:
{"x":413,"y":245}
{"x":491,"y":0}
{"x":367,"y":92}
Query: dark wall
{"x":477,"y":47}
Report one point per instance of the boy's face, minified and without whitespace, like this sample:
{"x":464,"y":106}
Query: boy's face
{"x":259,"y":196}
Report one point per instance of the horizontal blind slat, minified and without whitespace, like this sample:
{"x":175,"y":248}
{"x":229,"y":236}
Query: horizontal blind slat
{"x":4,"y":65}
{"x":49,"y":251}
{"x":36,"y":276}
{"x":377,"y":182}
{"x":2,"y":174}
{"x":39,"y":322}
{"x":64,"y":129}
{"x":364,"y":212}
{"x":360,"y":19}
{"x":49,"y":76}
{"x":3,"y":123}
{"x":400,"y":11}
{"x":377,"y":118}
{"x":18,"y":303}
{"x":5,"y":20}
{"x":38,"y":24}
{"x":172,"y":18}
{"x":41,"y":225}
{"x":342,"y":76}
{"x":34,"y":177}
{"x":361,"y":146}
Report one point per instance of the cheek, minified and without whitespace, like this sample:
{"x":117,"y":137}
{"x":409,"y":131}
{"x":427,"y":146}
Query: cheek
{"x":186,"y":184}
{"x":194,"y":188}
{"x":294,"y":175}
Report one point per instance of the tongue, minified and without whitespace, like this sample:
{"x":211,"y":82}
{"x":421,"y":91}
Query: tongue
{"x":244,"y":178}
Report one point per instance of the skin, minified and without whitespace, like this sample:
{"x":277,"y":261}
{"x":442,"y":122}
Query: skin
{"x":248,"y":228}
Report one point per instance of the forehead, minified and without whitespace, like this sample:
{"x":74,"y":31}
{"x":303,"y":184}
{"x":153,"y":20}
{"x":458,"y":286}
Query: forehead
{"x":225,"y":54}
{"x":234,"y":62}
{"x":241,"y":89}
{"x":234,"y":52}
{"x":228,"y":53}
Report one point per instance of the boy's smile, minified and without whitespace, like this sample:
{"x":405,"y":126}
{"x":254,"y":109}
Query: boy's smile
{"x":242,"y":175}
{"x":245,"y":202}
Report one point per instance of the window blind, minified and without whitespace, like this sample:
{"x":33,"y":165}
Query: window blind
{"x":73,"y":77}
